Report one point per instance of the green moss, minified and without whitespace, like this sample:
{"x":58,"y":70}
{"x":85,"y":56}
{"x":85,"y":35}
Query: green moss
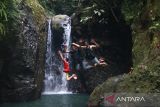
{"x":37,"y":11}
{"x":140,"y":49}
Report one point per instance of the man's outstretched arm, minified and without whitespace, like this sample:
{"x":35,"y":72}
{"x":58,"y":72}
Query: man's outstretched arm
{"x":76,"y":45}
{"x":61,"y":55}
{"x":79,"y":46}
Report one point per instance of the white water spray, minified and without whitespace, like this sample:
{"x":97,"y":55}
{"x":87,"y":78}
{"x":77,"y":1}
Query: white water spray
{"x":67,"y":34}
{"x":55,"y":79}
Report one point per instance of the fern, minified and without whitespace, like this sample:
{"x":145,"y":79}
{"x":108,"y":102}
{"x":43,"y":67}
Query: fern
{"x":3,"y":16}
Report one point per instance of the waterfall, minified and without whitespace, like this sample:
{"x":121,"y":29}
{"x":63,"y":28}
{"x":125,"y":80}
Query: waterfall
{"x":67,"y":33}
{"x":55,"y":79}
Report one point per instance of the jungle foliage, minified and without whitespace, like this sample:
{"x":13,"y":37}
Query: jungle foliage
{"x":60,"y":6}
{"x":8,"y":15}
{"x":3,"y":16}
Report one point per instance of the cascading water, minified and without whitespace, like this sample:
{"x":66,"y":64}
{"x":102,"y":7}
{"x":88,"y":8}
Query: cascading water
{"x":55,"y":79}
{"x":67,"y":32}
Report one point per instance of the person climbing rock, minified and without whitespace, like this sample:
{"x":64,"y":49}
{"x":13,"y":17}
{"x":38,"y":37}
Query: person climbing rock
{"x":66,"y":67}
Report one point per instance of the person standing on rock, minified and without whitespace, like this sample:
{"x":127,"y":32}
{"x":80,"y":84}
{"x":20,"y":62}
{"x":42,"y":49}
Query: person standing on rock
{"x":66,"y":68}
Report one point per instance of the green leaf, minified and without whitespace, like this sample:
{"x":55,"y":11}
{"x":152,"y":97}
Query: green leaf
{"x":5,"y":15}
{"x":2,"y":29}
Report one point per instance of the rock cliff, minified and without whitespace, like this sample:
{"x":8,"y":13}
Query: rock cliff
{"x":23,"y":54}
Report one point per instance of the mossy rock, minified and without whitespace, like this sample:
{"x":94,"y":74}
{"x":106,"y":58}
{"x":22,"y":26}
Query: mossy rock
{"x":58,"y":20}
{"x":25,"y":63}
{"x":37,"y":11}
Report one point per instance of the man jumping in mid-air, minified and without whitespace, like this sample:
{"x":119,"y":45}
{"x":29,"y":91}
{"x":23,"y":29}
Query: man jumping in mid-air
{"x":66,"y":68}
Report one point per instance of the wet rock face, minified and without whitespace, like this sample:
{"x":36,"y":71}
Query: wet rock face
{"x":58,"y":31}
{"x":22,"y":64}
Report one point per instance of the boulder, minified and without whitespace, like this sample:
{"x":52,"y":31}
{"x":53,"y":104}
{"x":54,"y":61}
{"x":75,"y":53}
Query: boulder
{"x":58,"y":20}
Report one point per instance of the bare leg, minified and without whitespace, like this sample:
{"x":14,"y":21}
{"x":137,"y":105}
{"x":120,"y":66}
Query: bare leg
{"x":70,"y":77}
